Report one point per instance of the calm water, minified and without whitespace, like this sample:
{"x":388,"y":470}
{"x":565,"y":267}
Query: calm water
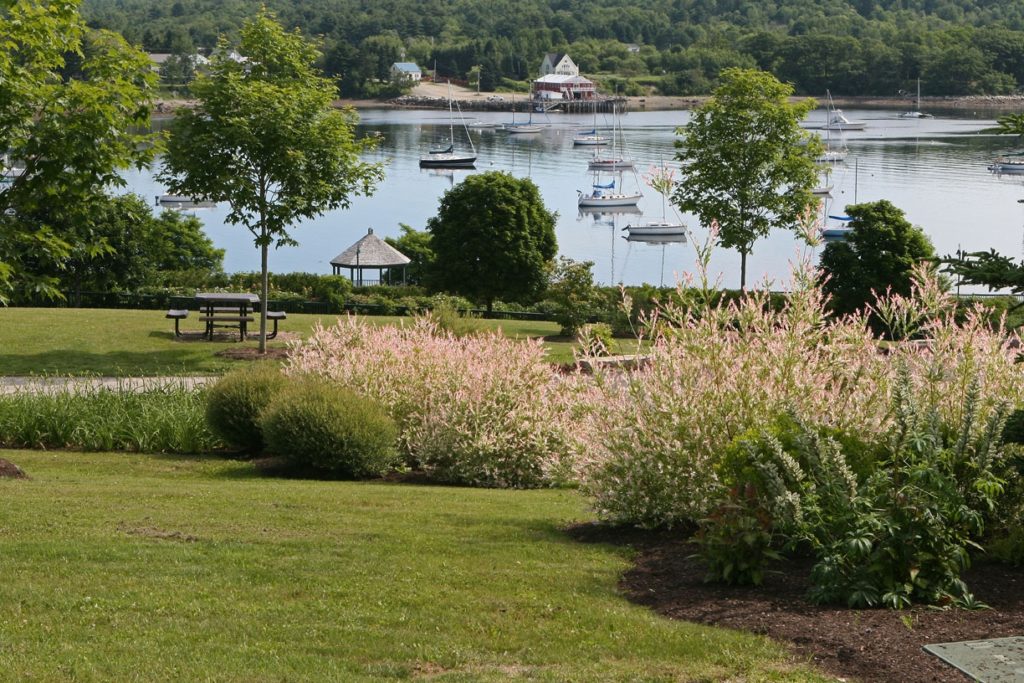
{"x":933,"y":169}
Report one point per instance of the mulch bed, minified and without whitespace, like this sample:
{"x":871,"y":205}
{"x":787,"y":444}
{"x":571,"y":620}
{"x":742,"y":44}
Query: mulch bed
{"x":8,"y":470}
{"x":877,"y":645}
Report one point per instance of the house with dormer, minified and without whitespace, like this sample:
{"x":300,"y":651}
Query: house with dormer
{"x":558,"y":64}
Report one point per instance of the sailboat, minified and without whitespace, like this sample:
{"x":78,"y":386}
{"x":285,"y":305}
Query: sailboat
{"x":590,"y":137}
{"x":662,"y":181}
{"x":520,"y":128}
{"x":447,"y":157}
{"x":613,"y":162}
{"x":832,"y":155}
{"x":606,"y":195}
{"x":916,"y":113}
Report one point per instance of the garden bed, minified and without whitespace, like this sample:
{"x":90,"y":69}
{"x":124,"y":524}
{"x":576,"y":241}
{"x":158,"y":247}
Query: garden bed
{"x":876,"y":645}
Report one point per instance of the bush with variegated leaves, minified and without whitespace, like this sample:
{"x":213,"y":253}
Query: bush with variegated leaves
{"x":481,"y":409}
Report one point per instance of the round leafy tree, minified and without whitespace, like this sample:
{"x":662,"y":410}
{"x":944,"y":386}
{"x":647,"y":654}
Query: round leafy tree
{"x":880,"y":252}
{"x":493,"y":238}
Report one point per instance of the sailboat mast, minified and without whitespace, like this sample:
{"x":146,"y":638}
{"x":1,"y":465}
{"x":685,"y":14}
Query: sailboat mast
{"x":451,"y":119}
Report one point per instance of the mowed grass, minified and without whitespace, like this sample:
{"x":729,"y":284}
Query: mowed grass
{"x":74,"y":341}
{"x":142,"y":568}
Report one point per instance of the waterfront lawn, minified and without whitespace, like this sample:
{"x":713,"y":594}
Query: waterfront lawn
{"x":128,"y":567}
{"x":118,"y":342}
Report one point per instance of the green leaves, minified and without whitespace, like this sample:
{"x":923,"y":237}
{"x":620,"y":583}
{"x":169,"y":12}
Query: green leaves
{"x":493,"y":238}
{"x":71,"y":125}
{"x":266,"y":139}
{"x":744,"y":161}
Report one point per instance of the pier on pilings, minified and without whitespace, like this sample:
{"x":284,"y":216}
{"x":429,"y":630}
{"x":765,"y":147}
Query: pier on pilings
{"x":603,"y":104}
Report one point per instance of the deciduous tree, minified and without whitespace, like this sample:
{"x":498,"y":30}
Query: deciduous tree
{"x":879,"y":253}
{"x":747,"y":164}
{"x":493,"y":238}
{"x":74,"y":110}
{"x":266,"y":139}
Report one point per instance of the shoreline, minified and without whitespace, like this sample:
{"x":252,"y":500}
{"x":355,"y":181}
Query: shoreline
{"x":478,"y":101}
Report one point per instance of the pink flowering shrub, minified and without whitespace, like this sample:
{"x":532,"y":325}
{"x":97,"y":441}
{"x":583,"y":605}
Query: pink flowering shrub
{"x":717,"y":371}
{"x":481,"y":410}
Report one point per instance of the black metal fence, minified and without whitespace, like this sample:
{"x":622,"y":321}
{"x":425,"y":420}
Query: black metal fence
{"x":156,"y":302}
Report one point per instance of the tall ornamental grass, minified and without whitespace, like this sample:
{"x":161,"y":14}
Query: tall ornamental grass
{"x":718,"y":370}
{"x":167,"y":419}
{"x":481,"y":410}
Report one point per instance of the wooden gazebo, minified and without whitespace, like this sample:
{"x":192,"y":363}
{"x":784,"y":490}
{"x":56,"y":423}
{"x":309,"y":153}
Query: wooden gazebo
{"x":370,"y":253}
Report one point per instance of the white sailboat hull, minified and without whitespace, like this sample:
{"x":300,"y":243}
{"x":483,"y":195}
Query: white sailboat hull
{"x":448,"y":161}
{"x":612,"y":199}
{"x":592,"y":140}
{"x":601,"y":164}
{"x":656,"y":229}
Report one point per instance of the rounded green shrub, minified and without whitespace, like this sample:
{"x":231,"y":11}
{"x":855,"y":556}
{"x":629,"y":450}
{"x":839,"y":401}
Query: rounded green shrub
{"x":234,"y":404}
{"x":331,"y":428}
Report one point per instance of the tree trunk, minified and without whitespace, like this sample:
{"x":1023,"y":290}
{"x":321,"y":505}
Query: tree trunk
{"x":264,"y":286}
{"x":743,"y":269}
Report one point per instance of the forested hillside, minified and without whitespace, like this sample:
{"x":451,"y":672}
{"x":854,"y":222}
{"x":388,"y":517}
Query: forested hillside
{"x":853,"y":47}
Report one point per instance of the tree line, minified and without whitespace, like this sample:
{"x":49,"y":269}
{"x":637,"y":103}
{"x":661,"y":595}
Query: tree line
{"x":677,"y":47}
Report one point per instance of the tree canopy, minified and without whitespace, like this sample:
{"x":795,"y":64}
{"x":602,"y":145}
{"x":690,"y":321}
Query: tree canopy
{"x":140,"y":249}
{"x":879,"y":253}
{"x":850,"y":46}
{"x":746,"y":163}
{"x":266,"y":139}
{"x":988,"y":268}
{"x":493,"y":239}
{"x":74,"y":110}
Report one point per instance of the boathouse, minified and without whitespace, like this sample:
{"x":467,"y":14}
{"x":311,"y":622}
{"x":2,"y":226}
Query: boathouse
{"x":556,"y":87}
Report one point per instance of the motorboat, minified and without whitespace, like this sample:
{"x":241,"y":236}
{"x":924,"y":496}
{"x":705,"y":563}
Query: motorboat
{"x":1007,"y":164}
{"x":838,"y":121}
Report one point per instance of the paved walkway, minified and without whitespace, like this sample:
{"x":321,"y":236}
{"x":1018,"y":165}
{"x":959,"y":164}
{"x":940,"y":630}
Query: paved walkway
{"x":10,"y":385}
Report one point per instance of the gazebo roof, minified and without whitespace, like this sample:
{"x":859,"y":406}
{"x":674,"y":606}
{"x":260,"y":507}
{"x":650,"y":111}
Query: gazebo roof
{"x":370,"y":252}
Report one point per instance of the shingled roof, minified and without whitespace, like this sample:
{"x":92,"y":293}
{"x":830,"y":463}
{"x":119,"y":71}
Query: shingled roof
{"x":370,"y":252}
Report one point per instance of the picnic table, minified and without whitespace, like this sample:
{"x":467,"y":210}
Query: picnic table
{"x":227,"y":309}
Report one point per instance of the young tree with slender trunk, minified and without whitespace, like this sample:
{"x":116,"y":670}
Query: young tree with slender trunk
{"x":266,"y":138}
{"x":746,"y":163}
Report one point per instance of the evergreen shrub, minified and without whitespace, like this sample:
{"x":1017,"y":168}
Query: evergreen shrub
{"x":330,"y":427}
{"x":235,"y":401}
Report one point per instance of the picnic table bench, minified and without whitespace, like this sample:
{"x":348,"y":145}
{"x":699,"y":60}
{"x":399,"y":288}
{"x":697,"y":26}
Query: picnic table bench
{"x":238,"y":313}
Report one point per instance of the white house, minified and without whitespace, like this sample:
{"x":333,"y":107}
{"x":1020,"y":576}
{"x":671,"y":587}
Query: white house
{"x":558,"y":63}
{"x":406,"y":70}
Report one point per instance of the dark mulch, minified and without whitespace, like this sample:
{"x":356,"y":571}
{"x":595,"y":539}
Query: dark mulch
{"x":8,"y":470}
{"x":866,"y":645}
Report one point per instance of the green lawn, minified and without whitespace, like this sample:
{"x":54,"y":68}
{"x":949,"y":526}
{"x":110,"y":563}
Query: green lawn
{"x":120,"y":567}
{"x":71,"y":341}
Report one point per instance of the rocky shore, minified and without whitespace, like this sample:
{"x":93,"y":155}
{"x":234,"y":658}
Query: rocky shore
{"x":435,"y":96}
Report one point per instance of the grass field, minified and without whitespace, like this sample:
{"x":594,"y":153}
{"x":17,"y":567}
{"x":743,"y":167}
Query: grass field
{"x":70,"y":341}
{"x":120,"y":567}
